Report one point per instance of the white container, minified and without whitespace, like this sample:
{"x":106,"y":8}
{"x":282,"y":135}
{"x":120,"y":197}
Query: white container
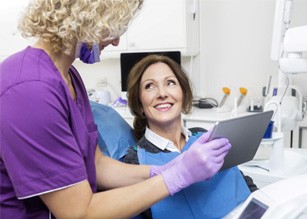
{"x":103,"y":96}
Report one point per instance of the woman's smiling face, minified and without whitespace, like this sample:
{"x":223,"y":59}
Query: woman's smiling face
{"x":160,"y":95}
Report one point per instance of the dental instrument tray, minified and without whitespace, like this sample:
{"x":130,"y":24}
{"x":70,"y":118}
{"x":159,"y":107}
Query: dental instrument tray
{"x":244,"y":133}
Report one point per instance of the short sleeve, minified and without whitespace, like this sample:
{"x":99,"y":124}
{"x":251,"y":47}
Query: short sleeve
{"x":39,"y":150}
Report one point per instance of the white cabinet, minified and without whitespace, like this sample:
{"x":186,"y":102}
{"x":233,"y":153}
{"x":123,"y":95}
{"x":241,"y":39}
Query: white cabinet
{"x":206,"y":118}
{"x":162,"y":25}
{"x":300,"y":134}
{"x":203,"y":118}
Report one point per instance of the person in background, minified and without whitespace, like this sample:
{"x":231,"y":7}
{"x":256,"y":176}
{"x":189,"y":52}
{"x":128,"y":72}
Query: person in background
{"x":50,"y":164}
{"x":164,"y":93}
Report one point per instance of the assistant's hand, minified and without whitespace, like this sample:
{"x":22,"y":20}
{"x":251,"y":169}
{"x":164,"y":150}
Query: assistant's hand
{"x":202,"y":161}
{"x":155,"y":170}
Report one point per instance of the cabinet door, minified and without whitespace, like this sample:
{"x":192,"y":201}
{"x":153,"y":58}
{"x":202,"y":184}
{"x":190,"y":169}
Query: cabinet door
{"x":160,"y":25}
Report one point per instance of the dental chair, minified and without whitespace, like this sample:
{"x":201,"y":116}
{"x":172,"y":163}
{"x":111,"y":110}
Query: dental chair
{"x":115,"y":135}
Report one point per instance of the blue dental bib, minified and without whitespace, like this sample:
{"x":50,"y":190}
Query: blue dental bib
{"x":209,"y":199}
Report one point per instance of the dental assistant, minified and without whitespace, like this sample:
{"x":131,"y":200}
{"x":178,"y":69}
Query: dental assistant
{"x":50,"y":164}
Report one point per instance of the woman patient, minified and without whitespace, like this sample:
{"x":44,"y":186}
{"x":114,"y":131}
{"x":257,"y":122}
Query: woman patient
{"x":158,"y":93}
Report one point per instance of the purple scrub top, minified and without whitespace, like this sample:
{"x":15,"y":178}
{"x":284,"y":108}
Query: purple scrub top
{"x":48,"y":140}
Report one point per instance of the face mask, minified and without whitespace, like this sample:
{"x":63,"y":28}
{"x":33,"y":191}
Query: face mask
{"x":87,"y":56}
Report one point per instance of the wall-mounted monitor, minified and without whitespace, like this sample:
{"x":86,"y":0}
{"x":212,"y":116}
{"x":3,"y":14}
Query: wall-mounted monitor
{"x":128,"y":60}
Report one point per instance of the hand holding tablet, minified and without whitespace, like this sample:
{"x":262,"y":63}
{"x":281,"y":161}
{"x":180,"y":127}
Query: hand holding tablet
{"x":244,"y":134}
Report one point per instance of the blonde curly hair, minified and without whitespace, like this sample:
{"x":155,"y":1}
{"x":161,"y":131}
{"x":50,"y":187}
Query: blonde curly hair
{"x":63,"y":23}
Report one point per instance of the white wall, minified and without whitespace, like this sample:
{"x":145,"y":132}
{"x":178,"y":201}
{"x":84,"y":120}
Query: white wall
{"x":107,"y":69}
{"x":236,"y":43}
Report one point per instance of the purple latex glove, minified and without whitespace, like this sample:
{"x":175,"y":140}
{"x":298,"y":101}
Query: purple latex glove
{"x":202,"y":161}
{"x":155,"y":170}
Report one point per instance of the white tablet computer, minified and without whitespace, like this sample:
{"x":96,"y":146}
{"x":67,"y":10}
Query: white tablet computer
{"x":245,"y":134}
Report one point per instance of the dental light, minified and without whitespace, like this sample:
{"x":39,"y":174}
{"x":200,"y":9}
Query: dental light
{"x":295,"y":45}
{"x":289,"y":48}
